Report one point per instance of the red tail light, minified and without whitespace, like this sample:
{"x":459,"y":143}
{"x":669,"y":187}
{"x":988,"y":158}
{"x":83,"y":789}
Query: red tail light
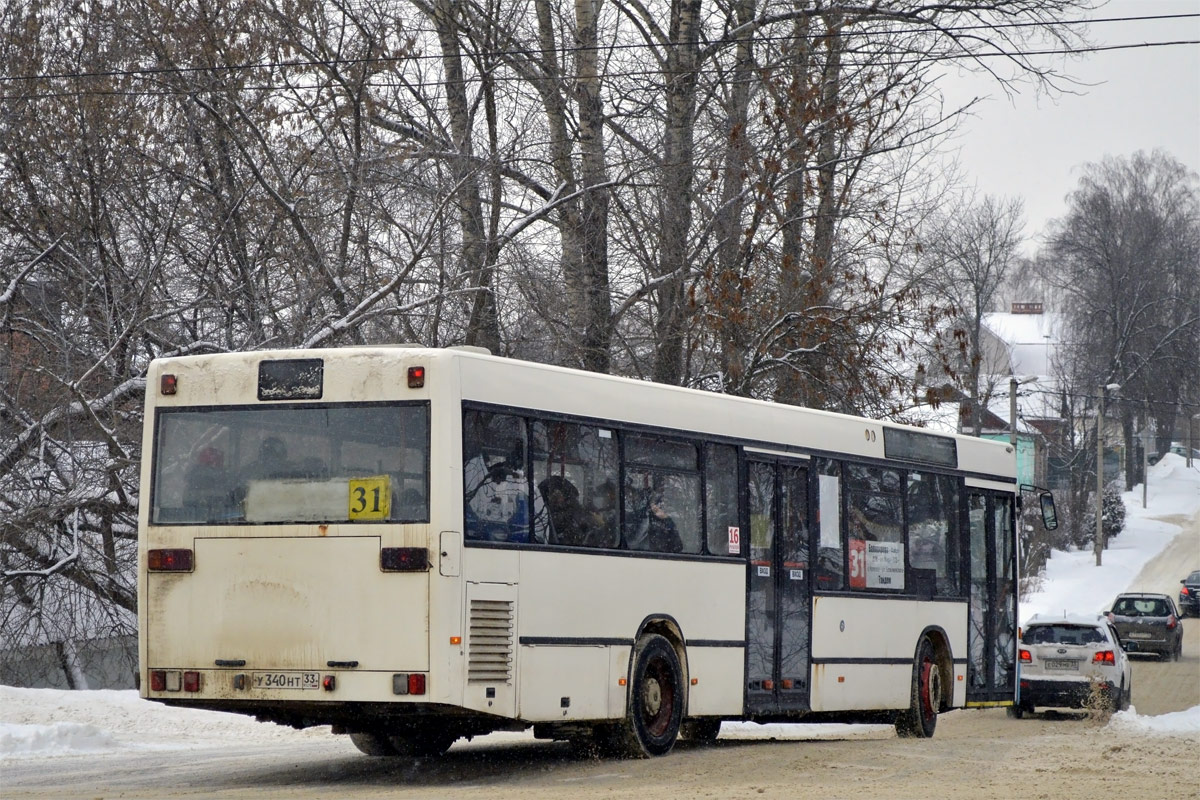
{"x":177,"y":559}
{"x":1104,"y":657}
{"x":158,"y":680}
{"x":191,"y":681}
{"x":1171,"y":622}
{"x":416,"y":377}
{"x":1184,"y":590}
{"x":416,"y":683}
{"x":1026,"y":657}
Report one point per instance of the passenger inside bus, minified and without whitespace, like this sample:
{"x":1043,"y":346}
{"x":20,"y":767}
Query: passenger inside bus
{"x":603,"y":516}
{"x":651,"y":528}
{"x":272,"y":460}
{"x":568,"y":521}
{"x":209,"y":489}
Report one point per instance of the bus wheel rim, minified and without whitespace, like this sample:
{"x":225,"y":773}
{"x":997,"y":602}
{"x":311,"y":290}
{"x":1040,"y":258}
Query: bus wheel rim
{"x":931,"y":689}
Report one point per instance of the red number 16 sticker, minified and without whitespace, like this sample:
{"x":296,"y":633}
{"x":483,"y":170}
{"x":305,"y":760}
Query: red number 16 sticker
{"x":735,"y":540}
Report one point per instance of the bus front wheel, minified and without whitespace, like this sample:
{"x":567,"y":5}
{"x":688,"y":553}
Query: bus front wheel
{"x":920,"y":719}
{"x":655,"y":699}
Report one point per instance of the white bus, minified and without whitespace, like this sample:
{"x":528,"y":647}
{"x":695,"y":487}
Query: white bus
{"x":416,"y":545}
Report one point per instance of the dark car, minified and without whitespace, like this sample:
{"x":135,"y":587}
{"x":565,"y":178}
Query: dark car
{"x":1189,"y":594}
{"x":1148,"y":623}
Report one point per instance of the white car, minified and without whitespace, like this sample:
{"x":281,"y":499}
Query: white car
{"x":1072,"y":661}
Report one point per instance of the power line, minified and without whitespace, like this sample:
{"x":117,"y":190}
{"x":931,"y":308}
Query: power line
{"x":147,"y":72}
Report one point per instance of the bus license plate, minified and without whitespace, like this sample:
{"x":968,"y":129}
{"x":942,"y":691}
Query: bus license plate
{"x":286,"y":680}
{"x":1059,"y":663}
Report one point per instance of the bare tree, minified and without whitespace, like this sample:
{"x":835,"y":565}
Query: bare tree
{"x":970,"y":252}
{"x":1127,"y":260}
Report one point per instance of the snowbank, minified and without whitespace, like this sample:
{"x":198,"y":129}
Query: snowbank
{"x":1175,"y":723}
{"x":46,"y":722}
{"x":1073,"y":582}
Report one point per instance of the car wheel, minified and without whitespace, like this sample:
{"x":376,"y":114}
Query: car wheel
{"x":1124,"y":698}
{"x":1017,"y":711}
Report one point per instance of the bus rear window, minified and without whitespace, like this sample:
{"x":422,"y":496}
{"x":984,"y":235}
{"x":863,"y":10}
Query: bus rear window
{"x":281,"y":464}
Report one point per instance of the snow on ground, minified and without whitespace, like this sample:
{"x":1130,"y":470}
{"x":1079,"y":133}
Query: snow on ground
{"x":39,"y":723}
{"x":1178,"y":722}
{"x":1074,"y":583}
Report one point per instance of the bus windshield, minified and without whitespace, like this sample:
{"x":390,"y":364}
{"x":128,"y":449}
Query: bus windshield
{"x":298,"y":463}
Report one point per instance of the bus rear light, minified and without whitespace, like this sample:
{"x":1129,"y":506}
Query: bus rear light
{"x":177,"y":559}
{"x":191,"y":681}
{"x":166,"y":680}
{"x":408,"y":683}
{"x":416,"y":377}
{"x":404,"y":559}
{"x":329,"y":683}
{"x":1026,"y":657}
{"x":1104,"y":657}
{"x":168,"y":384}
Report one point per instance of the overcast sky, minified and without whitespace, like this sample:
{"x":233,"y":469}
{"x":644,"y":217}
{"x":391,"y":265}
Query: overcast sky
{"x":1137,"y":99}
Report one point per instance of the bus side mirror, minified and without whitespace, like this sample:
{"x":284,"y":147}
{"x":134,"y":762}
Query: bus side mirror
{"x":1049,"y":515}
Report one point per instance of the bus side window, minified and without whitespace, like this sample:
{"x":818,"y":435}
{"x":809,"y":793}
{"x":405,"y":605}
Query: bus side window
{"x":720,"y":497}
{"x":495,"y":483}
{"x":662,"y":495}
{"x":933,"y":539}
{"x":830,"y":560}
{"x":575,"y":474}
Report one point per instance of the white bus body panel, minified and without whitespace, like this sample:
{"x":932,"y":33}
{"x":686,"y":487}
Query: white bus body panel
{"x":566,"y":601}
{"x":289,"y":604}
{"x":866,"y":630}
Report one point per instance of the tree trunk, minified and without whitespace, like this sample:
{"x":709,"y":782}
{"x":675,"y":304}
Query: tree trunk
{"x":675,"y":198}
{"x":482,"y":326}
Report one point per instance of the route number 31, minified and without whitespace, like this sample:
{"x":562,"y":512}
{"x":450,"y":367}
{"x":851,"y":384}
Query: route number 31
{"x":370,"y":498}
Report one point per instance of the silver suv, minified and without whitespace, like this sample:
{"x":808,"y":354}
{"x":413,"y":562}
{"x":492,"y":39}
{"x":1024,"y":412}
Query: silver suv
{"x":1072,"y":661}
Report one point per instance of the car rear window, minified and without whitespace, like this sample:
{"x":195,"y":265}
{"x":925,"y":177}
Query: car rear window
{"x":1062,"y":634}
{"x":1141,"y":607}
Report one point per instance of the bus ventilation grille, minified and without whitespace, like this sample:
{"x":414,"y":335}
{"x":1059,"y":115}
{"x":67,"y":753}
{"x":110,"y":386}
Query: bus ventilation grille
{"x":490,"y":648}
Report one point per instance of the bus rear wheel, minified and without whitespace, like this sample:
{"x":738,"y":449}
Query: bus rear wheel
{"x":421,"y":742}
{"x":920,"y":719}
{"x":372,"y":744}
{"x":655,"y":700}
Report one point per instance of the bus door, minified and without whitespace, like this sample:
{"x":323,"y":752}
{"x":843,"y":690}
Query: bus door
{"x":992,"y":619}
{"x":778,"y":600}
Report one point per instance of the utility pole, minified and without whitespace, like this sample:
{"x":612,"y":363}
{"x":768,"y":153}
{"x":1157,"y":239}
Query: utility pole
{"x":1100,"y":542}
{"x":1013,"y":383}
